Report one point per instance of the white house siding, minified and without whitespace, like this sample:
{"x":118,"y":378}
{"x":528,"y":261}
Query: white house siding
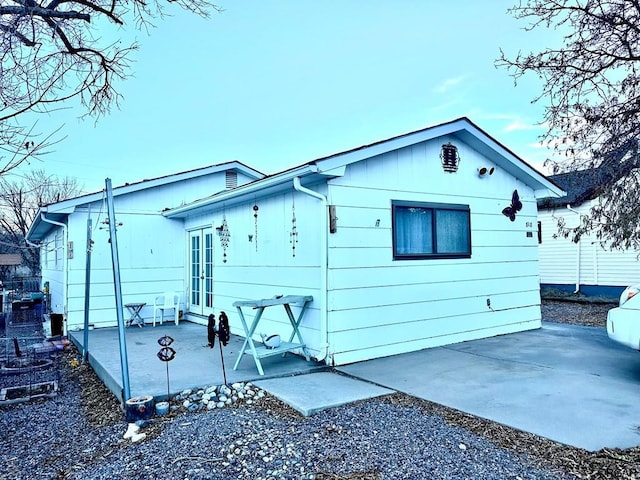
{"x":270,"y":269}
{"x":151,"y":262}
{"x":379,"y":306}
{"x":150,"y":250}
{"x":586,"y":265}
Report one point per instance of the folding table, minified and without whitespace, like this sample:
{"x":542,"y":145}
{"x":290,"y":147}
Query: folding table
{"x":262,"y":351}
{"x":134,"y":310}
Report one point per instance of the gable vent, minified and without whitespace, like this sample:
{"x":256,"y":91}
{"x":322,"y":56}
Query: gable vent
{"x":231,"y":179}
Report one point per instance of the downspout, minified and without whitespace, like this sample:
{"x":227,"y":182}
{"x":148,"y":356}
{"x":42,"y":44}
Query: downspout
{"x":577,"y":290}
{"x":324,"y":265}
{"x":65,"y":261}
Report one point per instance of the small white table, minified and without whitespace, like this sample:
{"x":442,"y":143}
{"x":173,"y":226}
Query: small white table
{"x":262,"y":351}
{"x":134,"y":310}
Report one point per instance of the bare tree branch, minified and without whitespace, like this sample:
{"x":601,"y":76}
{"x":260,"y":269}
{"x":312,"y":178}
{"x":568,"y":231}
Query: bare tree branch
{"x":591,"y":88}
{"x":19,"y":204}
{"x":53,"y":51}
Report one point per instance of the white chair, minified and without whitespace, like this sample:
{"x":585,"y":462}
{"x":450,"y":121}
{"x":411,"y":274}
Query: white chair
{"x":167,"y":301}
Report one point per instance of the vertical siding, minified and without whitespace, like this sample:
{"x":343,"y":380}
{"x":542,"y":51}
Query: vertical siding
{"x":598,"y":265}
{"x":379,"y":306}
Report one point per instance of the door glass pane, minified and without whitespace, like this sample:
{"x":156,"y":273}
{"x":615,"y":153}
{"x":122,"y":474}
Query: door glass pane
{"x":208,"y":269}
{"x":195,"y":270}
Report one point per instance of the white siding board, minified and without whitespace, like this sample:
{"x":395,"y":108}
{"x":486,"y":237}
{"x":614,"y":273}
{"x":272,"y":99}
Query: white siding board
{"x":459,"y":311}
{"x":432,"y":290}
{"x":448,"y":271}
{"x":343,"y":357}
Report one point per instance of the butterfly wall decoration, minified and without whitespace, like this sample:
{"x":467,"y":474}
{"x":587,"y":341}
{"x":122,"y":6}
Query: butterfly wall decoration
{"x":515,"y":207}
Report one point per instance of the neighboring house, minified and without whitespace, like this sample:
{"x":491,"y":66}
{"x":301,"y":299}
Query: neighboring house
{"x":151,"y":249}
{"x":584,"y":266}
{"x":412,"y":242}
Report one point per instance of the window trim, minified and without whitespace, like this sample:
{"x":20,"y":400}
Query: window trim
{"x":433,"y":206}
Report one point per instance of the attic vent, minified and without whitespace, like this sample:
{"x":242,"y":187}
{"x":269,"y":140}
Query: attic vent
{"x":231,"y":179}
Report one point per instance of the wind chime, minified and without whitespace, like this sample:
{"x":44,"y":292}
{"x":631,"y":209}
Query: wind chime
{"x":224,"y":238}
{"x":166,"y":354}
{"x":222,"y":332}
{"x":293,"y":236}
{"x":255,"y":220}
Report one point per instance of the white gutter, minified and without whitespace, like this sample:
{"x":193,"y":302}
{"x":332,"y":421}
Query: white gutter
{"x":577,"y":290}
{"x":324,"y":264}
{"x":65,"y":261}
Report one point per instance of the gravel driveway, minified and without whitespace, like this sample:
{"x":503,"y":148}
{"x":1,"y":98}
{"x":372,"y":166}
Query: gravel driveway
{"x":79,"y":435}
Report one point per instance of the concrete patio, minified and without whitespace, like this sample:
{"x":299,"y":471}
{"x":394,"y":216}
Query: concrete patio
{"x":567,"y":383}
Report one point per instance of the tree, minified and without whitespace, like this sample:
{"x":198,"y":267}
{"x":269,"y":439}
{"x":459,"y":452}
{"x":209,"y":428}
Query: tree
{"x":592,"y":91}
{"x":57,"y":51}
{"x":19,"y":204}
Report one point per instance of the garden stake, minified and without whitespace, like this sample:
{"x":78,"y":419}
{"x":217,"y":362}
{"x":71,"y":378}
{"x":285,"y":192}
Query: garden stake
{"x":166,"y":354}
{"x":222,"y":331}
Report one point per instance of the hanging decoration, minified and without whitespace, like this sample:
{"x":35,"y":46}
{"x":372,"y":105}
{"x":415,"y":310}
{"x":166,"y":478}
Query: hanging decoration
{"x":515,"y":207}
{"x":293,"y":236}
{"x":255,"y":220}
{"x":450,"y":157}
{"x":225,"y":236}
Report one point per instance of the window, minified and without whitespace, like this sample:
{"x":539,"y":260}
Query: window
{"x":430,"y":230}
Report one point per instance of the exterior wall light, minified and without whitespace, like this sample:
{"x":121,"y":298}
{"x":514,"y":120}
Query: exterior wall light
{"x":485,"y":171}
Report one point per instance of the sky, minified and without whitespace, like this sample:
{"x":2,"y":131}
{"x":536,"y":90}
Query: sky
{"x":276,"y":84}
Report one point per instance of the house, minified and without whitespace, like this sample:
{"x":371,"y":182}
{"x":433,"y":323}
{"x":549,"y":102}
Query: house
{"x":151,"y":248}
{"x":424,"y":239}
{"x":584,"y":266}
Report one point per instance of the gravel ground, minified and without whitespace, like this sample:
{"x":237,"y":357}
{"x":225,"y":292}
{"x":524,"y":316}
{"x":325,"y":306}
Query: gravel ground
{"x":78,"y":434}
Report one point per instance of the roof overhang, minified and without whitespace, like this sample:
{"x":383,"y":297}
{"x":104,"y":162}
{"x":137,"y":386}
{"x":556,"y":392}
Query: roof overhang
{"x":58,"y":212}
{"x":335,"y":166}
{"x":44,"y":222}
{"x":269,"y":186}
{"x":467,"y":132}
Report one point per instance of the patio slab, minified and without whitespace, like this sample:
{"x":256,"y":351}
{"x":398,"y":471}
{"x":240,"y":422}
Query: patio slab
{"x":195,"y":364}
{"x":567,"y":383}
{"x":313,"y":392}
{"x":570,"y":384}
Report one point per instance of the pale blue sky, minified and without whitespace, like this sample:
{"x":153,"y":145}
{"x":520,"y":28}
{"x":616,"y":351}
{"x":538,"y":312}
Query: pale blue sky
{"x":277,"y":83}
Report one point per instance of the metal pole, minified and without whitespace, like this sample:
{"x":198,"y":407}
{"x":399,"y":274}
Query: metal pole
{"x":126,"y":392}
{"x":87,"y":289}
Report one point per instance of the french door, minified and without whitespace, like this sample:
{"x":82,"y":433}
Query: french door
{"x":201,"y":271}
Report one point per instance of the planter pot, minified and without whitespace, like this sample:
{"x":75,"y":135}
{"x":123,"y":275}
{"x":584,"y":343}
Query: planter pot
{"x":162,"y":408}
{"x":139,"y":408}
